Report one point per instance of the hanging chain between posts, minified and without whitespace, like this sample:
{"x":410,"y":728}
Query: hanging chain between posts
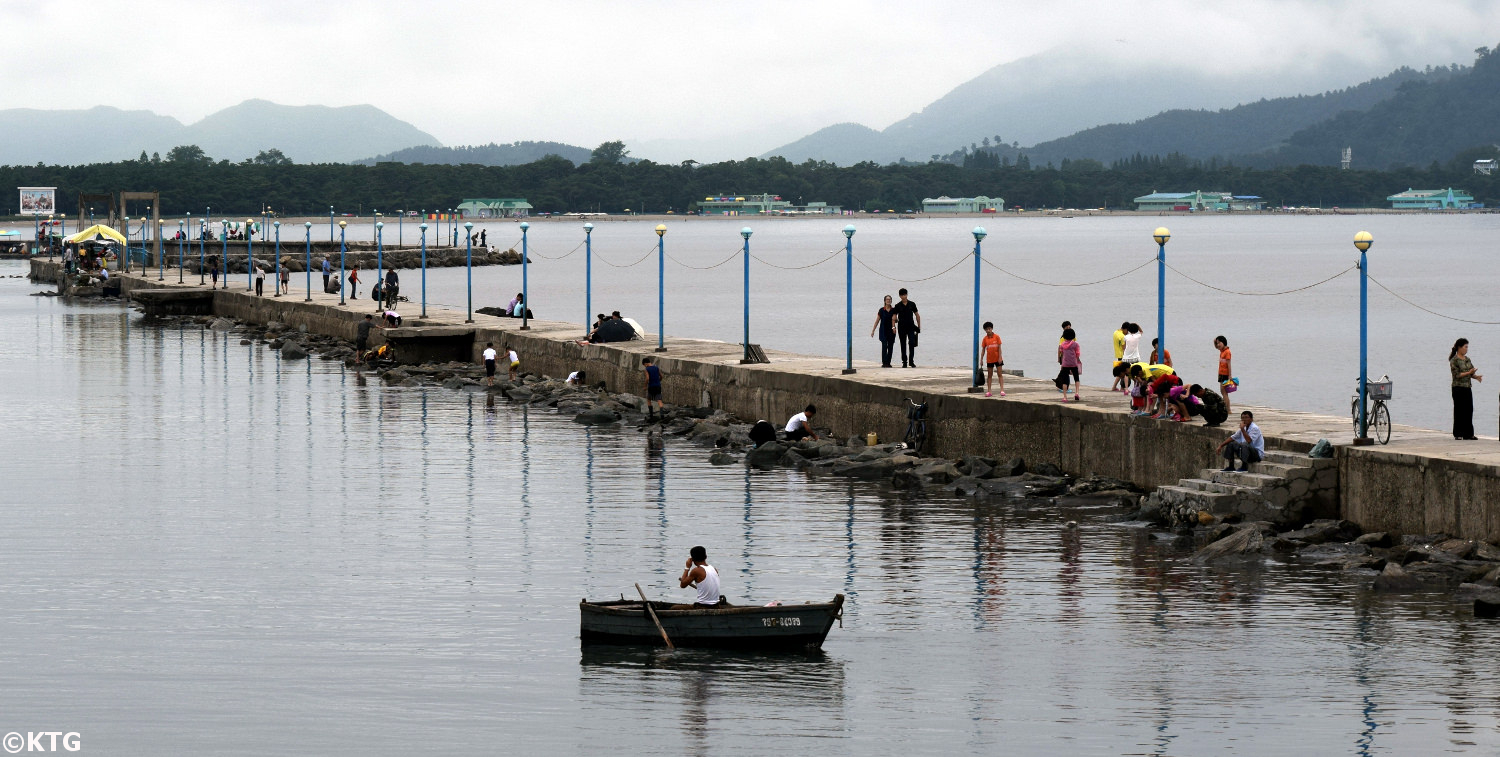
{"x":830,"y":256}
{"x":705,"y":267}
{"x":557,"y":257}
{"x":1080,"y":284}
{"x":638,"y":261}
{"x":1431,"y":312}
{"x":1263,"y":294}
{"x":956,"y":264}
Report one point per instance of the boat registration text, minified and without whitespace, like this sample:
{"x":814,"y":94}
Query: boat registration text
{"x":781,"y":621}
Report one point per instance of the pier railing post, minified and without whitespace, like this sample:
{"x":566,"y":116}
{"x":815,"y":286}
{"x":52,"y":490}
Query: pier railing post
{"x":276,"y":284}
{"x":424,"y":267}
{"x":588,"y":276}
{"x":661,"y":279}
{"x":469,"y":265}
{"x":1161,"y":235}
{"x":343,"y":249}
{"x":1362,"y":241}
{"x":307,"y":226}
{"x":978,"y":376}
{"x":746,"y":232}
{"x":525,"y":292}
{"x":848,"y":299}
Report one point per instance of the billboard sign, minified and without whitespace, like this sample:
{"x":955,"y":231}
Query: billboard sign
{"x":38,"y":201}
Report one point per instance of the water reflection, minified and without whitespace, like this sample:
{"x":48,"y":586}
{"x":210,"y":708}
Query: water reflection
{"x":715,"y":691}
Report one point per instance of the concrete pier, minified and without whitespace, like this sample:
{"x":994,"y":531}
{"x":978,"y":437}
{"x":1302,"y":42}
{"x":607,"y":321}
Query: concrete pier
{"x":1423,"y":482}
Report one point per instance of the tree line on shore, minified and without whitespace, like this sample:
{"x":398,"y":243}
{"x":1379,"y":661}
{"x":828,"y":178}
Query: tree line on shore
{"x":554,"y":184}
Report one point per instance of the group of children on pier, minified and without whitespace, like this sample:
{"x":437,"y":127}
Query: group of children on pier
{"x":1153,"y":385}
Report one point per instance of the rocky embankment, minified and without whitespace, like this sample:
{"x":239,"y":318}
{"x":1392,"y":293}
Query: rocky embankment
{"x":1468,"y":569}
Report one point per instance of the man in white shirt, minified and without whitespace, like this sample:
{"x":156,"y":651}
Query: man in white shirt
{"x":800,"y":426}
{"x":1246,"y":444}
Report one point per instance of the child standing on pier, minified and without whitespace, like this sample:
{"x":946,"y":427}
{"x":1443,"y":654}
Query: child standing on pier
{"x":1225,"y":373}
{"x":989,"y":355}
{"x":489,"y":362}
{"x":1070,"y":356}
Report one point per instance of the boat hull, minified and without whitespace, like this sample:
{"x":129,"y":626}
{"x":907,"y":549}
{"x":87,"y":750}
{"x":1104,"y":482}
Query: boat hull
{"x":784,"y":627}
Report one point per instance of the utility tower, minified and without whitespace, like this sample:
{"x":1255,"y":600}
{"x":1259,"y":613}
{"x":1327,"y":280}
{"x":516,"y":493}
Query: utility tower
{"x":1347,"y":158}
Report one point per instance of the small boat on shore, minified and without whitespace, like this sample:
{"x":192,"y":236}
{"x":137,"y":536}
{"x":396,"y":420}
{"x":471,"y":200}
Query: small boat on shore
{"x":775,"y":627}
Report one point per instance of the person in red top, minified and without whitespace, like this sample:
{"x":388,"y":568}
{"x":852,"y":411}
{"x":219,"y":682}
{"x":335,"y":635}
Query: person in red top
{"x":990,"y":357}
{"x":1222,"y":345}
{"x":1165,"y":359}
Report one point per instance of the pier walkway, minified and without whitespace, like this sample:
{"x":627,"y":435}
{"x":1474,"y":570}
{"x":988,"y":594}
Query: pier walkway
{"x":1424,"y":481}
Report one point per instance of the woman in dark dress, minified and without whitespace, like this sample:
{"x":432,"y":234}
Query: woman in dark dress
{"x":1463,"y":394}
{"x":887,"y":328}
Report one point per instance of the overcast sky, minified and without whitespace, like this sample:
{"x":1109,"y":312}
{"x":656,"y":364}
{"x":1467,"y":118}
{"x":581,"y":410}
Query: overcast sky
{"x":746,"y":76}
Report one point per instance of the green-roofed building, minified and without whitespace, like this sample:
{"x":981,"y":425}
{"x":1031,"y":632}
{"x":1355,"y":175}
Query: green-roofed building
{"x":946,"y":204}
{"x":1431,"y":199}
{"x":508,"y":207}
{"x":1199,"y":200}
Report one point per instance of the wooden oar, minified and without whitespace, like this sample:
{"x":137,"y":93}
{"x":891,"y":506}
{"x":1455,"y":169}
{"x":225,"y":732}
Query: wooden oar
{"x":652,"y":612}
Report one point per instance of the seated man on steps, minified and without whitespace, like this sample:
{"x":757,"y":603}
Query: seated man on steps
{"x":1246,"y":444}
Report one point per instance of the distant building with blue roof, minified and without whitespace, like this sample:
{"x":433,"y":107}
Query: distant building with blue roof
{"x":1432,"y":199}
{"x":1199,"y":200}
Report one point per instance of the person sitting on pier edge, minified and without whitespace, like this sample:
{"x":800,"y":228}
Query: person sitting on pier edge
{"x":511,"y":309}
{"x":800,"y":425}
{"x":1246,"y":444}
{"x":703,"y":577}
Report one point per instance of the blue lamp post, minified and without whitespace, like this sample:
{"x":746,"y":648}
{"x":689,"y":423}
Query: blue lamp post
{"x":469,"y":265}
{"x":661,"y":309}
{"x":979,"y":235}
{"x":161,"y":260}
{"x":401,"y":227}
{"x":525,"y":293}
{"x":343,"y":248}
{"x":588,"y":276}
{"x":181,"y":236}
{"x":330,"y":224}
{"x":224,"y":249}
{"x":380,"y":255}
{"x":848,"y":299}
{"x":746,"y":232}
{"x":1161,"y":235}
{"x":249,"y":255}
{"x":1362,"y":241}
{"x":424,"y":267}
{"x":202,"y":253}
{"x":277,"y":282}
{"x":307,"y":228}
{"x":127,"y":244}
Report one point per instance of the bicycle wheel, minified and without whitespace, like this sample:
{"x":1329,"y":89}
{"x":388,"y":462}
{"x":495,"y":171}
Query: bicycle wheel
{"x":1354,"y":413}
{"x":1380,"y":425}
{"x":916,"y":435}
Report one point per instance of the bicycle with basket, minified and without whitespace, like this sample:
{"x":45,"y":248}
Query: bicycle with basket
{"x":1378,"y":415}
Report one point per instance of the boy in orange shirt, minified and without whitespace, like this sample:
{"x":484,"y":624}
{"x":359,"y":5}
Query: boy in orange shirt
{"x":989,"y":355}
{"x":1222,"y":345}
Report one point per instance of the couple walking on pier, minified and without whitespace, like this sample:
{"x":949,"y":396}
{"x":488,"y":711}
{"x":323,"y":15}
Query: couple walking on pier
{"x":898,"y":321}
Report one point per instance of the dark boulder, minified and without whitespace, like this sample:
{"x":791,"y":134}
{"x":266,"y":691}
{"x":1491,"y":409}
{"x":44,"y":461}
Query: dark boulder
{"x":766,"y":455}
{"x":1321,"y":531}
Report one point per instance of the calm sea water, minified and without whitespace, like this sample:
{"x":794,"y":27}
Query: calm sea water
{"x":205,"y":550}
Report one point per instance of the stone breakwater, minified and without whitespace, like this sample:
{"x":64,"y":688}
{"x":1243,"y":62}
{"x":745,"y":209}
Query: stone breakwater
{"x":1468,"y":569}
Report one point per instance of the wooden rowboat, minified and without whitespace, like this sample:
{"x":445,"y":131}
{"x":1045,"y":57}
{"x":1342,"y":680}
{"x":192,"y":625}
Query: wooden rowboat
{"x":782,"y":627}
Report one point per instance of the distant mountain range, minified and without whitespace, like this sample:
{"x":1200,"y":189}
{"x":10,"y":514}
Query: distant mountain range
{"x":1407,"y":117}
{"x":304,"y":133}
{"x":513,"y":154}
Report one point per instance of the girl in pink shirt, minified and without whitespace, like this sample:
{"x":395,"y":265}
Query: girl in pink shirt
{"x":1070,"y":356}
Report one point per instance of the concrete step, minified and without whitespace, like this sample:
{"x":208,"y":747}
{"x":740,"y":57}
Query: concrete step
{"x":1206,"y":499}
{"x":1299,"y":459}
{"x":1256,"y":481}
{"x":1284,"y":470}
{"x":1206,"y":485}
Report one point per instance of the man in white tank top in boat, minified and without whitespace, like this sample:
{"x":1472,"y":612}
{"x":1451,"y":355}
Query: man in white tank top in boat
{"x":702,"y":576}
